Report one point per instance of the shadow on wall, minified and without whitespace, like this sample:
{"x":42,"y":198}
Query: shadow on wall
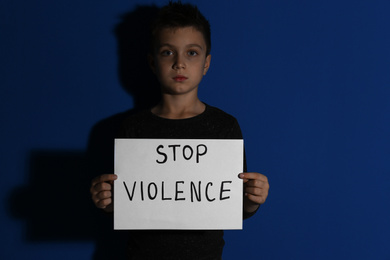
{"x":56,"y":203}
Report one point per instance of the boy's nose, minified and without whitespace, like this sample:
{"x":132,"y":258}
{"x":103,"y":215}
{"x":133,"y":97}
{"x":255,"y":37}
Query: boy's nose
{"x":179,"y":63}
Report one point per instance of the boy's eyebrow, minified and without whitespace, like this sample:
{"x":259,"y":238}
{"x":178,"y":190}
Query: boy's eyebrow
{"x":188,"y":46}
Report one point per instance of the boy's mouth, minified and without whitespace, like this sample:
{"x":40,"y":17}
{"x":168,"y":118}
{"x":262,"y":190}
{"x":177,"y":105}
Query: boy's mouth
{"x":179,"y":78}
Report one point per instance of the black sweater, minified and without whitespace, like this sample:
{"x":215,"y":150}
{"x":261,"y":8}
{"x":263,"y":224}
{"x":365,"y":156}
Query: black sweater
{"x":213,"y":123}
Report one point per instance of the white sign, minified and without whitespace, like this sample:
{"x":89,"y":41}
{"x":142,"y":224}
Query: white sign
{"x":178,"y":184}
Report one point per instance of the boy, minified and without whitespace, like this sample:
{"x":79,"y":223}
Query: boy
{"x":180,"y":57}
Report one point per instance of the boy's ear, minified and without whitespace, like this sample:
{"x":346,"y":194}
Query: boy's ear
{"x":151,"y":63}
{"x":207,"y":64}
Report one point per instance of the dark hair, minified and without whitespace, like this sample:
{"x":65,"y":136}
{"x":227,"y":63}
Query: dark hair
{"x":176,"y":15}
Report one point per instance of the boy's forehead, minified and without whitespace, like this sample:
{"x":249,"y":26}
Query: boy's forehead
{"x":189,"y":33}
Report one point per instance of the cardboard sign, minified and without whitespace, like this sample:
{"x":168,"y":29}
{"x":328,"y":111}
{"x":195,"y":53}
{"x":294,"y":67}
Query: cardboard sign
{"x":178,"y":184}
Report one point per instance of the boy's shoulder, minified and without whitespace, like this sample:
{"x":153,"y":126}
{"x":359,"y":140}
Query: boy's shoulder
{"x":139,"y":115}
{"x":218,"y":114}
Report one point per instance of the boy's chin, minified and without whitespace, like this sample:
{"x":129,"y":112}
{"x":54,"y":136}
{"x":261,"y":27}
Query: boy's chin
{"x":178,"y":90}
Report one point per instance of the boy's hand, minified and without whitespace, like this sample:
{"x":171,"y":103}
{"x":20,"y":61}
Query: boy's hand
{"x":101,"y":188}
{"x":256,"y":188}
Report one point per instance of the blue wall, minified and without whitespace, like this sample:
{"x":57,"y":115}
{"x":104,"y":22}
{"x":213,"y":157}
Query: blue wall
{"x":309,"y":82}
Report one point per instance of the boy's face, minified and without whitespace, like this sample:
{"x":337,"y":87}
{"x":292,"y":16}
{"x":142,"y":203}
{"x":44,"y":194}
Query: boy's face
{"x":179,"y":60}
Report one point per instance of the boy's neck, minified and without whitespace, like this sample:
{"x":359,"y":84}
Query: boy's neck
{"x":172,"y":107}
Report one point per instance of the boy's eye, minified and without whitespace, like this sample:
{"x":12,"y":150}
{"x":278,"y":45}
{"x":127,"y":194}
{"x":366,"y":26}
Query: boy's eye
{"x":166,"y":53}
{"x":192,"y":53}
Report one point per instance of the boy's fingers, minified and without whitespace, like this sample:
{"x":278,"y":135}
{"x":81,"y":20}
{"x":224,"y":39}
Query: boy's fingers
{"x":253,"y":179}
{"x":256,"y":186}
{"x":257,"y":195}
{"x":102,"y":199}
{"x":102,"y":186}
{"x":253,"y":191}
{"x":256,"y":199}
{"x":105,"y":178}
{"x":245,"y":180}
{"x":253,"y":176}
{"x":101,"y":183}
{"x":256,"y":183}
{"x":103,"y":203}
{"x":104,"y":195}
